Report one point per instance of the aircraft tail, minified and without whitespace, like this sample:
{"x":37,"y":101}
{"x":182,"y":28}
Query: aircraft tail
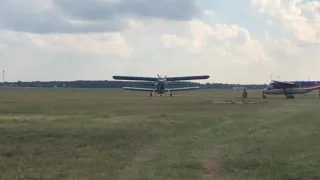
{"x":315,"y":86}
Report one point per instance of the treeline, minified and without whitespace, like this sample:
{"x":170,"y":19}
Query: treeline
{"x":120,"y":84}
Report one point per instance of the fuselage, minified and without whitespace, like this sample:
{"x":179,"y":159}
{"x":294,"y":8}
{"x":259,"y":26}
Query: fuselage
{"x":301,"y":87}
{"x":160,"y":87}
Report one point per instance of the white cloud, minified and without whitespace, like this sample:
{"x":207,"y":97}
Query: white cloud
{"x":99,"y":43}
{"x":298,"y":17}
{"x":93,"y":47}
{"x":229,"y":42}
{"x":298,"y":50}
{"x":2,"y":46}
{"x":173,"y":40}
{"x":195,"y":47}
{"x":223,"y":51}
{"x":209,"y":13}
{"x":205,"y":35}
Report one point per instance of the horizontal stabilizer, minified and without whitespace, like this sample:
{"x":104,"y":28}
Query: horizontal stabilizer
{"x":134,"y":78}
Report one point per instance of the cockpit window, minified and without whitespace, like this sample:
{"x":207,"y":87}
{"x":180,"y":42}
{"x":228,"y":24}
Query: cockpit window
{"x":270,"y":87}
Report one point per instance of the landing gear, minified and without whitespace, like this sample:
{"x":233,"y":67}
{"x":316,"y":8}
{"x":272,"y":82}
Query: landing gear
{"x":151,"y":94}
{"x":289,"y":96}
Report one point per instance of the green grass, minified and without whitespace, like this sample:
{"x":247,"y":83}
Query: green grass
{"x":114,"y":134}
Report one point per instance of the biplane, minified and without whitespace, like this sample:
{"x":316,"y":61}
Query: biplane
{"x":160,"y":83}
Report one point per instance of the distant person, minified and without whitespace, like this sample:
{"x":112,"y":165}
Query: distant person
{"x":244,"y":95}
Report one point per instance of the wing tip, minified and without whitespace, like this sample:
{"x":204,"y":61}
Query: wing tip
{"x":202,"y":77}
{"x":116,"y":77}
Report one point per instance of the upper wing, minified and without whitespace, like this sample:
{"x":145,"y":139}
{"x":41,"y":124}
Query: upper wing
{"x":138,"y":89}
{"x":283,"y":84}
{"x":134,"y":78}
{"x":187,"y":78}
{"x":183,"y":88}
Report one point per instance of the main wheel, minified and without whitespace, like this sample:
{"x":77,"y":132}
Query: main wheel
{"x":150,"y":94}
{"x":290,"y":96}
{"x":170,"y":94}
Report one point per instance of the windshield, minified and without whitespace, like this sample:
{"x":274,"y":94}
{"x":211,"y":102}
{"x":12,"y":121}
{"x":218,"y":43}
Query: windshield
{"x":270,"y":86}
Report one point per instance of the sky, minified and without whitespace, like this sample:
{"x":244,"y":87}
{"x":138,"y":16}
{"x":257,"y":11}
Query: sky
{"x":247,"y":41}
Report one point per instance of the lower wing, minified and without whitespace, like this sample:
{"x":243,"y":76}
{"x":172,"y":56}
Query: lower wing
{"x":184,"y":88}
{"x":138,"y":89}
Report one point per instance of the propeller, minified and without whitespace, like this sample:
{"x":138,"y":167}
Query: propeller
{"x":162,"y":78}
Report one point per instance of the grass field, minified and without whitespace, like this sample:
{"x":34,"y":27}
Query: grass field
{"x":119,"y":135}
